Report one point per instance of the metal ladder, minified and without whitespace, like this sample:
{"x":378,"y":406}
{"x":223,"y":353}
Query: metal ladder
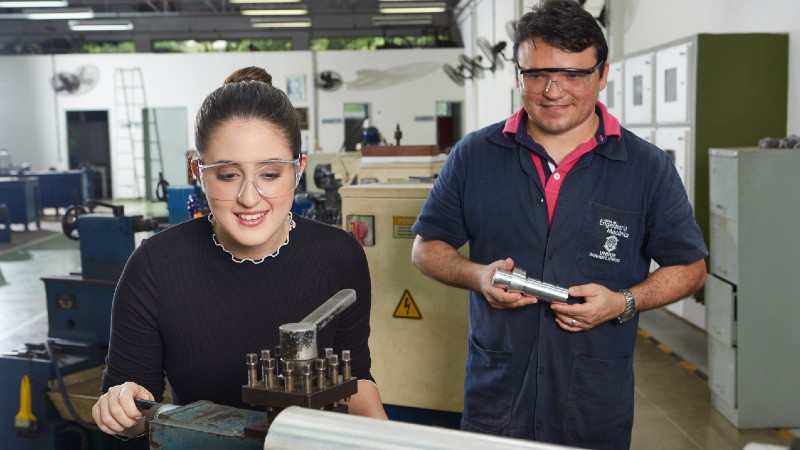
{"x":138,"y":142}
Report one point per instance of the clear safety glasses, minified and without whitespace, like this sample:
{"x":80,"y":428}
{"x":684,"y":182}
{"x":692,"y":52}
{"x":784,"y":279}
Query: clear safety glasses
{"x":572,"y":81}
{"x":272,"y":178}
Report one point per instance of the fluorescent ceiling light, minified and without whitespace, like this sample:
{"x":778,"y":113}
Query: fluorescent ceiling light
{"x":34,"y":4}
{"x":281,"y":23}
{"x":412,"y":8}
{"x":274,"y":12}
{"x":261,"y":1}
{"x":419,"y":19}
{"x":58,"y":13}
{"x":100,"y":25}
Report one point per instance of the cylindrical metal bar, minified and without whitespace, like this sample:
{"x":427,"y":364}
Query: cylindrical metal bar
{"x":252,"y":371}
{"x":346,"y":365}
{"x":517,"y":281}
{"x":307,"y":387}
{"x":297,"y":428}
{"x":322,"y":375}
{"x":333,"y":370}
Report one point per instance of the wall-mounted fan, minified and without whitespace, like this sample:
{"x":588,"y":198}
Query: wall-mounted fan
{"x":511,"y":29}
{"x":494,"y":53}
{"x":456,"y":74}
{"x":328,"y":80}
{"x":80,"y":82}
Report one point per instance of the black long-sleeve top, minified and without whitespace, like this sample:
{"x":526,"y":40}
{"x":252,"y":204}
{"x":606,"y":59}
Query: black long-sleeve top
{"x":185,"y":310}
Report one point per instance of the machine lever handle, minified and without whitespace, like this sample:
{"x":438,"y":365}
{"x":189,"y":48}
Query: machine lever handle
{"x":331,"y":308}
{"x":144,"y":405}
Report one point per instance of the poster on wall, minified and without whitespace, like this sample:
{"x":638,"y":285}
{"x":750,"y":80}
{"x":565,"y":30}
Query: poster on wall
{"x":296,"y":88}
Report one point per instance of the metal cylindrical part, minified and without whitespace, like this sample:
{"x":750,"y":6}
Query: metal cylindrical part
{"x":307,"y":387}
{"x":321,"y":366}
{"x":346,"y":365}
{"x":333,"y":369}
{"x":288,"y":376}
{"x":516,"y":281}
{"x":301,"y":428}
{"x":298,"y":341}
{"x":252,"y":371}
{"x":271,"y":379}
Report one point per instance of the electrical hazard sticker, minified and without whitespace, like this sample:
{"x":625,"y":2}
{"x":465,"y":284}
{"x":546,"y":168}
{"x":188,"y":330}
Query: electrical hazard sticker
{"x":407,"y":309}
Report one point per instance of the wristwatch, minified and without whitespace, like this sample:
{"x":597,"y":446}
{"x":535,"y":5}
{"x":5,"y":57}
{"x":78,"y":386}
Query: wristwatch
{"x":630,"y":306}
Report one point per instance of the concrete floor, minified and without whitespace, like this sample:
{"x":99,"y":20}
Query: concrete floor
{"x":672,"y":401}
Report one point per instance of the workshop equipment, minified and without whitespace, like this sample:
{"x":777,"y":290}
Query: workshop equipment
{"x":79,"y":315}
{"x":295,"y":376}
{"x":419,"y":326}
{"x":517,"y":281}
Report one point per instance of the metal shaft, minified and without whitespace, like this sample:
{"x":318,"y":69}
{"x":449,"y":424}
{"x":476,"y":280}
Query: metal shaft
{"x":517,"y":281}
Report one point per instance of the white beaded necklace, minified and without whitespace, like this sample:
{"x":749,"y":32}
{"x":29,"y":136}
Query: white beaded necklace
{"x":292,"y":224}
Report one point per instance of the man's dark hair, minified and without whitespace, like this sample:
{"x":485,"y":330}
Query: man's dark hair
{"x":562,"y":24}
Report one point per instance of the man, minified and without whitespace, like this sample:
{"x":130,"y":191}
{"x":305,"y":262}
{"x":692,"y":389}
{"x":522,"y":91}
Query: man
{"x":561,"y":190}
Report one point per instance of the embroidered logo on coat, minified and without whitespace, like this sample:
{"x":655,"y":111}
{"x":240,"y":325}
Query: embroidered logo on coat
{"x":611,"y":243}
{"x":614,"y":232}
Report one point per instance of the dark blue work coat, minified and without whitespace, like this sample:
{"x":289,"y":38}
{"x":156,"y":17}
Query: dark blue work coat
{"x":621,"y":205}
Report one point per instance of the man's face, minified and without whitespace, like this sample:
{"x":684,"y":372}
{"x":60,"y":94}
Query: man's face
{"x":559,"y":107}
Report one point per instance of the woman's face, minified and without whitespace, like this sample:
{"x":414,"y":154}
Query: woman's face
{"x":249,"y":223}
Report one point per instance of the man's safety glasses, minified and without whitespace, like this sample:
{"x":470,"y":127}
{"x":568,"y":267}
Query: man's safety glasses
{"x":572,"y":81}
{"x":272,"y":178}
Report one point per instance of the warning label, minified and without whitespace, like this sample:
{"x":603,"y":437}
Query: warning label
{"x":401,"y":227}
{"x":407,"y":309}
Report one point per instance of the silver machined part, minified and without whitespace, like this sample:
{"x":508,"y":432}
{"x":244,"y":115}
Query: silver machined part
{"x":322,"y":373}
{"x":346,"y":365}
{"x":288,"y":376}
{"x":271,"y":382}
{"x":307,"y":386}
{"x":252,"y":371}
{"x":298,"y":341}
{"x":265,"y":355}
{"x":333,"y":369}
{"x":328,"y":352}
{"x":517,"y":282}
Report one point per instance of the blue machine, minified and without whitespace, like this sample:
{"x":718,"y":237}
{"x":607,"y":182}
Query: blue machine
{"x":179,"y":202}
{"x":79,"y":315}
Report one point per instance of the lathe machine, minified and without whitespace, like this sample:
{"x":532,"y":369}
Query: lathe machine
{"x":79,"y":313}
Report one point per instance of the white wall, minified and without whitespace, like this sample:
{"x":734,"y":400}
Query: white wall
{"x":33,"y":118}
{"x":647,"y":23}
{"x":401,"y":87}
{"x":642,"y":24}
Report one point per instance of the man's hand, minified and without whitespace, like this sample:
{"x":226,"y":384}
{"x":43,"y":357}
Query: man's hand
{"x":600,"y":305}
{"x":499,"y":297}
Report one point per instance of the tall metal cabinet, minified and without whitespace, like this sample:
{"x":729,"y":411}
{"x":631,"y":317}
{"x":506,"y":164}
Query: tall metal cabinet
{"x":751,"y":293}
{"x":704,"y":91}
{"x":709,"y":90}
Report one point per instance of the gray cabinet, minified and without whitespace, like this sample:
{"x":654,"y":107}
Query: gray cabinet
{"x":752,"y":301}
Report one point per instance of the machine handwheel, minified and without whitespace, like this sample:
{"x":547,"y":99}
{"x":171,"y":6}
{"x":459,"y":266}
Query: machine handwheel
{"x":69,"y":222}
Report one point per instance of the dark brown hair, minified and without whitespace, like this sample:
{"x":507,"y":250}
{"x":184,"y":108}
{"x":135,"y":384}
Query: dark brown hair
{"x":562,"y":24}
{"x":247,"y":94}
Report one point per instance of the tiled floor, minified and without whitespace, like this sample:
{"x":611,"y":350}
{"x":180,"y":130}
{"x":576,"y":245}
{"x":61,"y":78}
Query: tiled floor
{"x":673,"y":409}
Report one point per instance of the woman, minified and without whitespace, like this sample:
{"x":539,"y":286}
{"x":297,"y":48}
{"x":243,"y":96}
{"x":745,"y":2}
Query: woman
{"x":194,"y":299}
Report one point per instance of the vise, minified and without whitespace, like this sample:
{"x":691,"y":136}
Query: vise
{"x":295,"y":375}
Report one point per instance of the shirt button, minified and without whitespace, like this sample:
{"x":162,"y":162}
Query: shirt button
{"x":540,"y":200}
{"x":557,"y":176}
{"x":538,"y":425}
{"x":550,"y":257}
{"x":541,"y":370}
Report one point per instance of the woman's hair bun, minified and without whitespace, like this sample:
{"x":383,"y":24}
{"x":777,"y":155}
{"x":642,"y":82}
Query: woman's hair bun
{"x":251,"y":73}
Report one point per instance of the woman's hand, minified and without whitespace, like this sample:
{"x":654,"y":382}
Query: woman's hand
{"x":116,"y":413}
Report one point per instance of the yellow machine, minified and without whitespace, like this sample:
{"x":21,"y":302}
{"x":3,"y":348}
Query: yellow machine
{"x":419,"y":326}
{"x":376,"y":169}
